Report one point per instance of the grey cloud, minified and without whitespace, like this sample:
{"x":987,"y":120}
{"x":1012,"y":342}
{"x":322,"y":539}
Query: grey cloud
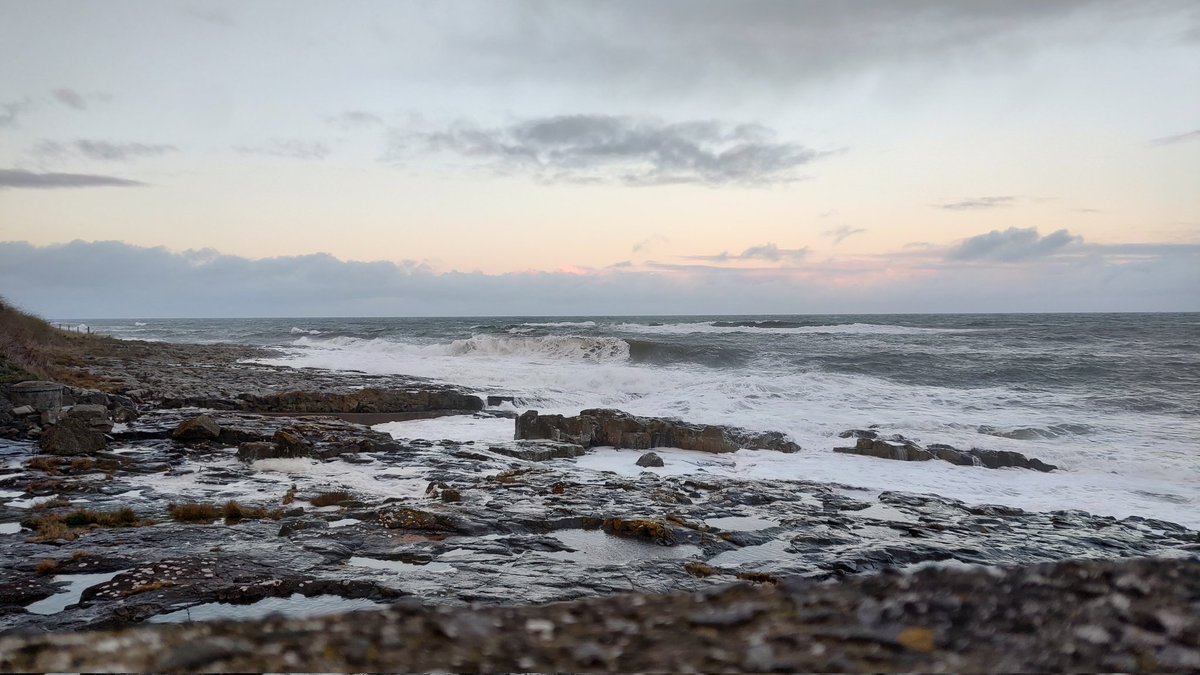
{"x":1177,"y":138}
{"x":1012,"y":245}
{"x":674,"y":45}
{"x":210,"y":15}
{"x":76,"y":99}
{"x":11,"y":110}
{"x":979,"y":203}
{"x":843,"y":232}
{"x":767,"y":252}
{"x":102,"y":150}
{"x":19,"y":179}
{"x":627,"y":150}
{"x":287,"y":148}
{"x":113,"y":279}
{"x":70,"y":98}
{"x":353,"y":119}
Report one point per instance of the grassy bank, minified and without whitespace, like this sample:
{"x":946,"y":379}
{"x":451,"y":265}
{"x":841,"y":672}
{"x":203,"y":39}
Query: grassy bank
{"x":32,"y":349}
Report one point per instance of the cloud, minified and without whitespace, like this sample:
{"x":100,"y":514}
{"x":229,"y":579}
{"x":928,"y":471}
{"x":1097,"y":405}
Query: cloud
{"x":114,"y":279}
{"x":1177,"y":138}
{"x":11,"y":110}
{"x":106,"y":151}
{"x":287,"y":148}
{"x":672,"y":46}
{"x":979,"y":203}
{"x":209,"y":15}
{"x":842,"y":232}
{"x":353,"y":119}
{"x":1012,"y":245}
{"x":19,"y":179}
{"x":645,"y":245}
{"x":626,"y":150}
{"x":767,"y":253}
{"x":70,"y":98}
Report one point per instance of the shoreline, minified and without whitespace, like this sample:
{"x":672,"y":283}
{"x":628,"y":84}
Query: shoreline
{"x":448,"y":523}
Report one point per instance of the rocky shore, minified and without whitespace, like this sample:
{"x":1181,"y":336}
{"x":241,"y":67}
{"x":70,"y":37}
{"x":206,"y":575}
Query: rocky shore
{"x":1077,"y":616}
{"x":189,"y":481}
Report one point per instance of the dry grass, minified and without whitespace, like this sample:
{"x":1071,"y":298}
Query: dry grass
{"x":331,"y":498}
{"x":235,"y":512}
{"x":758,"y":577}
{"x":56,"y":503}
{"x":51,"y":528}
{"x":289,"y":497}
{"x":82,"y":464}
{"x":122,"y":517}
{"x":191,"y":512}
{"x":47,"y":566}
{"x":47,"y":464}
{"x":232,"y":512}
{"x":32,"y":349}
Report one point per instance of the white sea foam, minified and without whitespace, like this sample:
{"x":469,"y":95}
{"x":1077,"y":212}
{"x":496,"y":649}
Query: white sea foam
{"x":484,"y":428}
{"x":296,"y":330}
{"x":561,"y":324}
{"x":1124,"y":463}
{"x":842,"y":328}
{"x":541,"y":348}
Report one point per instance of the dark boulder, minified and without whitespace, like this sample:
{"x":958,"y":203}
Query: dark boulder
{"x":200,"y":428}
{"x":650,"y":459}
{"x":252,"y":451}
{"x":94,"y":415}
{"x":71,"y":436}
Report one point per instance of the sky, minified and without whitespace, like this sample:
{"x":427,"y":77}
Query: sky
{"x":298,"y":158}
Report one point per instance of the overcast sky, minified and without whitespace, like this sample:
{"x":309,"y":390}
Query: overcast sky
{"x":290,"y":157}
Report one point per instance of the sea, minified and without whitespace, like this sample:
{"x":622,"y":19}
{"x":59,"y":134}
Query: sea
{"x":1112,"y":399}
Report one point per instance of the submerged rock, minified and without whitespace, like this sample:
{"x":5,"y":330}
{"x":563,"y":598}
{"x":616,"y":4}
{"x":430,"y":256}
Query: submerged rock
{"x":896,"y":447}
{"x":540,"y":451}
{"x":601,"y":426}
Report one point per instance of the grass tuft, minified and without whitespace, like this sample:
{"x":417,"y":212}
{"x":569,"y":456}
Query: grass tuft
{"x":190,"y":512}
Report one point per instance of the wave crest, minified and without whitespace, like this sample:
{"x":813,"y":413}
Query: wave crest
{"x":565,"y":347}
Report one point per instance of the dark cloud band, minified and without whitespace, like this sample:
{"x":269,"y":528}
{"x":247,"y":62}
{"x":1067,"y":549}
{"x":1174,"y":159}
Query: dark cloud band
{"x":19,"y":179}
{"x":625,"y":150}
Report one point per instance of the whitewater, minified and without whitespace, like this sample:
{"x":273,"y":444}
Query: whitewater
{"x":1114,"y":400}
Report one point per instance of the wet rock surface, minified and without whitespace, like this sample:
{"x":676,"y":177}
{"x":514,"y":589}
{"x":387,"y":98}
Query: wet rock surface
{"x":1072,"y":616}
{"x":601,"y":426}
{"x":455,"y":523}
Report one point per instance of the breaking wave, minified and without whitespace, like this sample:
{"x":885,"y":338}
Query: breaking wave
{"x":781,"y":327}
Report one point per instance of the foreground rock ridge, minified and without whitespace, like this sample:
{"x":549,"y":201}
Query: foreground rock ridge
{"x":1071,"y":616}
{"x":191,"y":481}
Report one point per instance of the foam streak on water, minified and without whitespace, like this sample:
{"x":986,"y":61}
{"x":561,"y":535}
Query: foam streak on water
{"x":1113,"y":399}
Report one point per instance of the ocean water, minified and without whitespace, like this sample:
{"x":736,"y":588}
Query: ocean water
{"x":1114,"y":399}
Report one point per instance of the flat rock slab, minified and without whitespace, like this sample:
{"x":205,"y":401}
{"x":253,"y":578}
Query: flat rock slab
{"x":1070,"y":616}
{"x":602,"y":426}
